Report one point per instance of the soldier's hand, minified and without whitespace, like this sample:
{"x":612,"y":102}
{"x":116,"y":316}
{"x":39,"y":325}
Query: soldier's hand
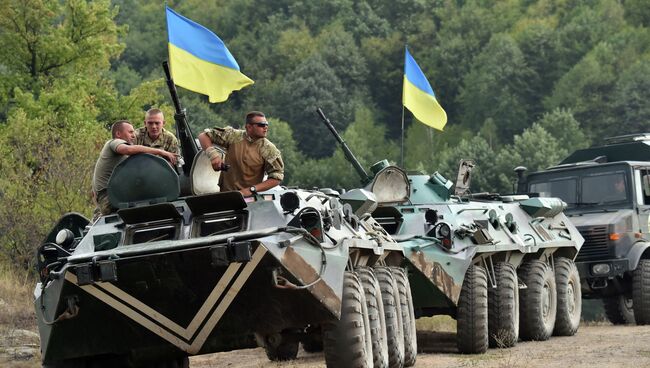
{"x":171,"y":157}
{"x":245,"y":192}
{"x":216,"y":164}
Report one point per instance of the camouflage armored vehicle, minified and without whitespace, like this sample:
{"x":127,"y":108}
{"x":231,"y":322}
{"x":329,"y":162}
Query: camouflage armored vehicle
{"x":173,"y":274}
{"x":607,"y":189}
{"x":502,"y":266}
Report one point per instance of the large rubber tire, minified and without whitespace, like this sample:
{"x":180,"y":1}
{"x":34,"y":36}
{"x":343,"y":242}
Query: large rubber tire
{"x":408,"y":316}
{"x":286,"y":350}
{"x":376,"y":317}
{"x":393,"y":316}
{"x":619,"y":309}
{"x":503,"y":307}
{"x":347,"y":342}
{"x":472,"y":315}
{"x":569,"y":298}
{"x":641,"y":292}
{"x":313,"y":341}
{"x":537,"y":302}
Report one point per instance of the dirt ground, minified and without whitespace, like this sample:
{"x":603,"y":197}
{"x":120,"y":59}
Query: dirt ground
{"x":599,"y":346}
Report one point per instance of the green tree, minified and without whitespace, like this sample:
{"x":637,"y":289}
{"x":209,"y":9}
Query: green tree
{"x":631,"y":108}
{"x":313,"y":84}
{"x":565,"y":129}
{"x":44,"y":40}
{"x":485,"y":174}
{"x":497,"y":88}
{"x":535,"y":148}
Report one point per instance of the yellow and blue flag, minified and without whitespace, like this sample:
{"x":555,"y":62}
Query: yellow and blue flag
{"x":200,"y":61}
{"x":418,"y":96}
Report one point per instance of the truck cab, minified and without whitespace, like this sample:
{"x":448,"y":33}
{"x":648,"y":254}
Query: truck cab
{"x":607,"y":191}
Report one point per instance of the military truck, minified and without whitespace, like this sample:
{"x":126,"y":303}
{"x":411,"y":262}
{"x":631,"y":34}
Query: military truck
{"x":173,"y":273}
{"x":607,"y":189}
{"x":502,"y":266}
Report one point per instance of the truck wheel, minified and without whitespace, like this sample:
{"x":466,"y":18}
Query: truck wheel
{"x":538,"y":302}
{"x":375,"y":316}
{"x":408,"y":316}
{"x":312,"y":342}
{"x":503,"y":307}
{"x":619,"y":309}
{"x":641,"y":292}
{"x":472,"y":315}
{"x":393,"y":316}
{"x":569,"y":297}
{"x":347,"y":342}
{"x":278,"y":347}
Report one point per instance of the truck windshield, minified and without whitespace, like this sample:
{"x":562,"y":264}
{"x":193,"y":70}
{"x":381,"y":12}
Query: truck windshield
{"x":592,"y":189}
{"x":562,"y":188}
{"x":604,"y":188}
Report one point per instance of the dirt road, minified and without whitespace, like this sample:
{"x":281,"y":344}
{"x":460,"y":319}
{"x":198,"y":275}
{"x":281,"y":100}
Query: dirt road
{"x":593,"y":347}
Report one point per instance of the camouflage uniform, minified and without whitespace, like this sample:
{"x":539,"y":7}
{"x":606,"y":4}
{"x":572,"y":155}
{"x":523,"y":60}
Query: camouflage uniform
{"x":249,"y":159}
{"x":166,"y":141}
{"x":107,"y":161}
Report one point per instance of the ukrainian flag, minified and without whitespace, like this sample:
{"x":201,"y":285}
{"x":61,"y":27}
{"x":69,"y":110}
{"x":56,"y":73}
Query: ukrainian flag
{"x":418,"y":96}
{"x":200,"y":61}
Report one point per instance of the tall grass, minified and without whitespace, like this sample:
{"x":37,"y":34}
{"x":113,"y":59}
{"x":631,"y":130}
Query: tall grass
{"x":16,"y":298}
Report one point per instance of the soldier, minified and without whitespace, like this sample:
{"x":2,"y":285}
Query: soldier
{"x":249,"y":154}
{"x":114,"y":152}
{"x":153,"y":134}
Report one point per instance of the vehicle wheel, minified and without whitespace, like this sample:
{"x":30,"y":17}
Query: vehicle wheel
{"x":619,"y":309}
{"x":313,"y":340}
{"x":641,"y":292}
{"x":538,"y":302}
{"x":503,"y":307}
{"x":176,"y":363}
{"x":347,"y":342}
{"x":375,"y":316}
{"x":569,"y":297}
{"x":408,"y":316}
{"x":393,"y":316}
{"x":278,"y":347}
{"x":472,"y":315}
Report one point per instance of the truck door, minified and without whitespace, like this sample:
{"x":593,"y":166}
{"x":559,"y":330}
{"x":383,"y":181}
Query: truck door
{"x":642,"y":200}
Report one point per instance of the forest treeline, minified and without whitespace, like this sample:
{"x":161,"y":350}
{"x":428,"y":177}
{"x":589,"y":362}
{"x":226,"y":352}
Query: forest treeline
{"x":523,"y":82}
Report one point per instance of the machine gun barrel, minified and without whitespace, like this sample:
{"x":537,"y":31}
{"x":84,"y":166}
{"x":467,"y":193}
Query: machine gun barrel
{"x":346,"y":150}
{"x":189,"y":148}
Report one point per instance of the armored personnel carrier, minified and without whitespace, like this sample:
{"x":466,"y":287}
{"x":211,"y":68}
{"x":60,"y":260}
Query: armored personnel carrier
{"x":607,"y":189}
{"x":173,"y":273}
{"x":502,"y":266}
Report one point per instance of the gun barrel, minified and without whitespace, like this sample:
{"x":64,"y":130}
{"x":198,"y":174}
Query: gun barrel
{"x":346,"y":150}
{"x":172,"y":88}
{"x":189,"y":148}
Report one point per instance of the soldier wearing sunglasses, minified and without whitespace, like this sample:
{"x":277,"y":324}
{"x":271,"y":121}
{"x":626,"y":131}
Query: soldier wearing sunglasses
{"x":250,"y":155}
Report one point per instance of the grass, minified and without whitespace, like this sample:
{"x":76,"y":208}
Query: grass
{"x":16,"y":304}
{"x":436,"y":323}
{"x":16,"y":299}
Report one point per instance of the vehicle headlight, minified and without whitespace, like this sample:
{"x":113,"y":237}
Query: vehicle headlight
{"x":444,"y":230}
{"x":600,"y":269}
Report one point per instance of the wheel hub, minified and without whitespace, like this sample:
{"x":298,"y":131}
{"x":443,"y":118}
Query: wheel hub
{"x":546,"y":301}
{"x":571,"y":302}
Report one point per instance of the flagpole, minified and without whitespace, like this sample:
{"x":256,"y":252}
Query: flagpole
{"x":402,"y":145}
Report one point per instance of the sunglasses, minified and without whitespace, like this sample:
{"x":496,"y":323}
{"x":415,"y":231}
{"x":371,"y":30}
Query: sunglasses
{"x":261,"y":125}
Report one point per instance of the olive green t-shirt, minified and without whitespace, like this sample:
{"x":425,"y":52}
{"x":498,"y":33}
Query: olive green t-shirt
{"x":108,"y":159}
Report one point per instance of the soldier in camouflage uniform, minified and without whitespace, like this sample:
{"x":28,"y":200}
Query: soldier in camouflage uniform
{"x":153,"y":134}
{"x":249,"y":154}
{"x":115,"y":151}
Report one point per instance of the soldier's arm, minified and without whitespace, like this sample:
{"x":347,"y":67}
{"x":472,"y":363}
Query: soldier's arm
{"x":216,"y":155}
{"x":128,"y":150}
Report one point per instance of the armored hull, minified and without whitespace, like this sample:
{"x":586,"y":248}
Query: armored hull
{"x":156,"y":282}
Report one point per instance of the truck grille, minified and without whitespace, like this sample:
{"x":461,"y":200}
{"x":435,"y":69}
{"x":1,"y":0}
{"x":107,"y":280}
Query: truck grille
{"x":595,"y":246}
